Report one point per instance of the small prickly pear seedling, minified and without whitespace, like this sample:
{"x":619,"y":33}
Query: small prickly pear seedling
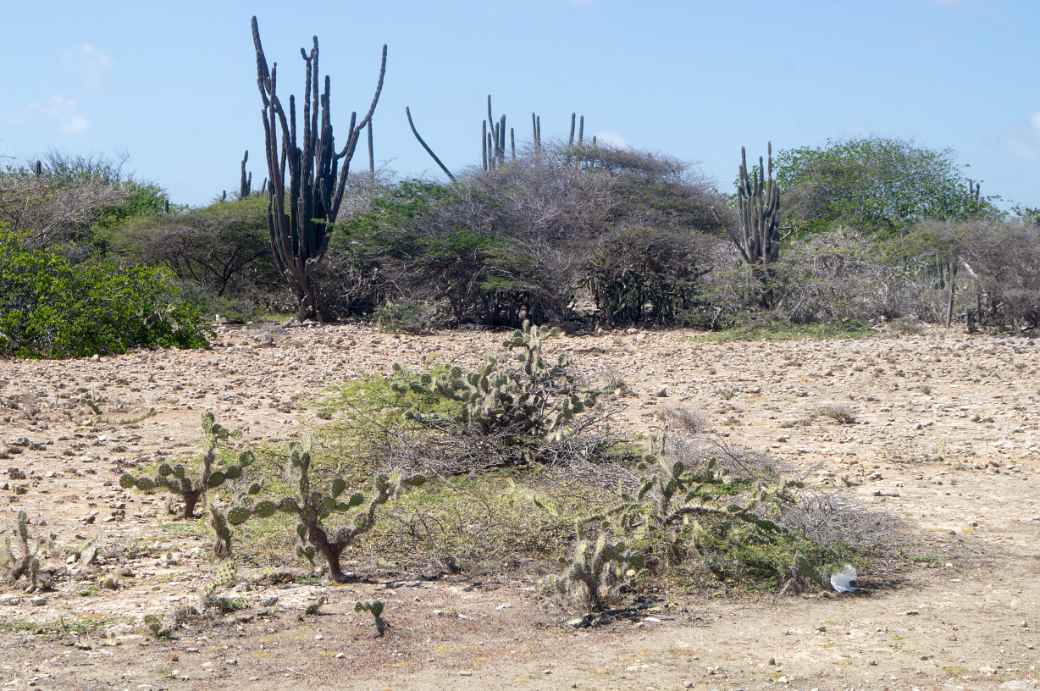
{"x":594,"y":570}
{"x":176,"y":480}
{"x":375,"y":608}
{"x":311,"y":508}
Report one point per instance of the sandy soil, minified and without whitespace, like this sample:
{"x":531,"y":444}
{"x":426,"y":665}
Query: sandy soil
{"x":947,"y":437}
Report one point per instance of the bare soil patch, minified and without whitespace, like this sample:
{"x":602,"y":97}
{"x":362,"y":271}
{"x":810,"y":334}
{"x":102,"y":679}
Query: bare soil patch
{"x":942,"y":430}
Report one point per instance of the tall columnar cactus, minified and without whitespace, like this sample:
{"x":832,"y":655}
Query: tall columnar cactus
{"x":595,"y":569}
{"x":311,"y":508}
{"x":758,"y":202}
{"x":426,"y":147}
{"x":308,"y":178}
{"x":176,"y":479}
{"x":245,"y":182}
{"x":494,"y":134}
{"x":22,"y":562}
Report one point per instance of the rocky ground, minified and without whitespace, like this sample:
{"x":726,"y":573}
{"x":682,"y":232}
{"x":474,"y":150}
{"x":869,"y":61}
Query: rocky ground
{"x":942,"y":430}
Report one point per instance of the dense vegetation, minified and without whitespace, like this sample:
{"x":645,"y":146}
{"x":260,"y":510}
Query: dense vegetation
{"x":868,"y":230}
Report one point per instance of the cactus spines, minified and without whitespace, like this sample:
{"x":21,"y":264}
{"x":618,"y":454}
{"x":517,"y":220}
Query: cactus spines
{"x":375,"y":608}
{"x":176,"y":479}
{"x":23,"y":562}
{"x":758,"y":200}
{"x":595,"y":569}
{"x":311,"y":508}
{"x":302,"y":208}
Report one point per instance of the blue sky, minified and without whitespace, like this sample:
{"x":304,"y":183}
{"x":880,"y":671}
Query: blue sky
{"x":173,"y":84}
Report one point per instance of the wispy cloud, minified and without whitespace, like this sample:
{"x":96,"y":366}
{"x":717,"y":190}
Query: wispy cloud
{"x":65,"y":113}
{"x":1024,"y":142}
{"x":94,"y":64}
{"x":610,"y":138}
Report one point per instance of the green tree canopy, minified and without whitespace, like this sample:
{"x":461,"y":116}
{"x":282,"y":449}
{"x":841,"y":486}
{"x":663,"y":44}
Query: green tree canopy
{"x":873,"y":185}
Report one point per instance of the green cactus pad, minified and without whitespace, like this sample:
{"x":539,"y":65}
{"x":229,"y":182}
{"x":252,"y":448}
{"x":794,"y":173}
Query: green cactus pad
{"x":238,"y":515}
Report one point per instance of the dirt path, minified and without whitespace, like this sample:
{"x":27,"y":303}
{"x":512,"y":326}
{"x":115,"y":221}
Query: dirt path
{"x":947,"y":436}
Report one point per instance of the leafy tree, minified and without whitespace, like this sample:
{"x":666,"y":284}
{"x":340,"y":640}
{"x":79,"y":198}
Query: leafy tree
{"x":213,"y":246}
{"x":874,"y":185}
{"x":52,"y":307}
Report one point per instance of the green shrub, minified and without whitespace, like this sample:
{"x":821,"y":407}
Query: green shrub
{"x":52,"y":308}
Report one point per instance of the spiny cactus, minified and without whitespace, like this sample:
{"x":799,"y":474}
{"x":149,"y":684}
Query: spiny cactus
{"x":758,"y":202}
{"x":595,"y":570}
{"x":221,"y":532}
{"x":307,"y":172}
{"x":245,"y":181}
{"x":425,"y":146}
{"x":176,"y":480}
{"x":534,"y":400}
{"x":311,"y":508}
{"x":375,"y":608}
{"x":673,"y":497}
{"x":23,"y":562}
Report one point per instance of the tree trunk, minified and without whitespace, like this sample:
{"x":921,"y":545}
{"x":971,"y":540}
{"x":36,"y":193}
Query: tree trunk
{"x":190,"y":500}
{"x":331,"y":551}
{"x":307,"y":300}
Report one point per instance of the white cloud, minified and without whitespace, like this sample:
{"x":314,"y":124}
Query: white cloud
{"x":1024,"y":142}
{"x":611,"y":139}
{"x":94,"y":63}
{"x":64,"y":112}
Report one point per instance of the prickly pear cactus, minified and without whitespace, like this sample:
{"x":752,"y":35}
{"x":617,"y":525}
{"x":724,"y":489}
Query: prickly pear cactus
{"x":375,"y":608}
{"x":311,"y":509}
{"x":595,"y":569}
{"x":221,"y":532}
{"x":530,"y":400}
{"x":22,"y":562}
{"x":177,"y":480}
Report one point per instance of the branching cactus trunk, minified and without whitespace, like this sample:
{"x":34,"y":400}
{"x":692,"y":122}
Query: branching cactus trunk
{"x":312,"y":508}
{"x":758,"y":232}
{"x":307,"y":174}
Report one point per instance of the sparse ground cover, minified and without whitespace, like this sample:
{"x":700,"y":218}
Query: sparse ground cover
{"x":939,"y":432}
